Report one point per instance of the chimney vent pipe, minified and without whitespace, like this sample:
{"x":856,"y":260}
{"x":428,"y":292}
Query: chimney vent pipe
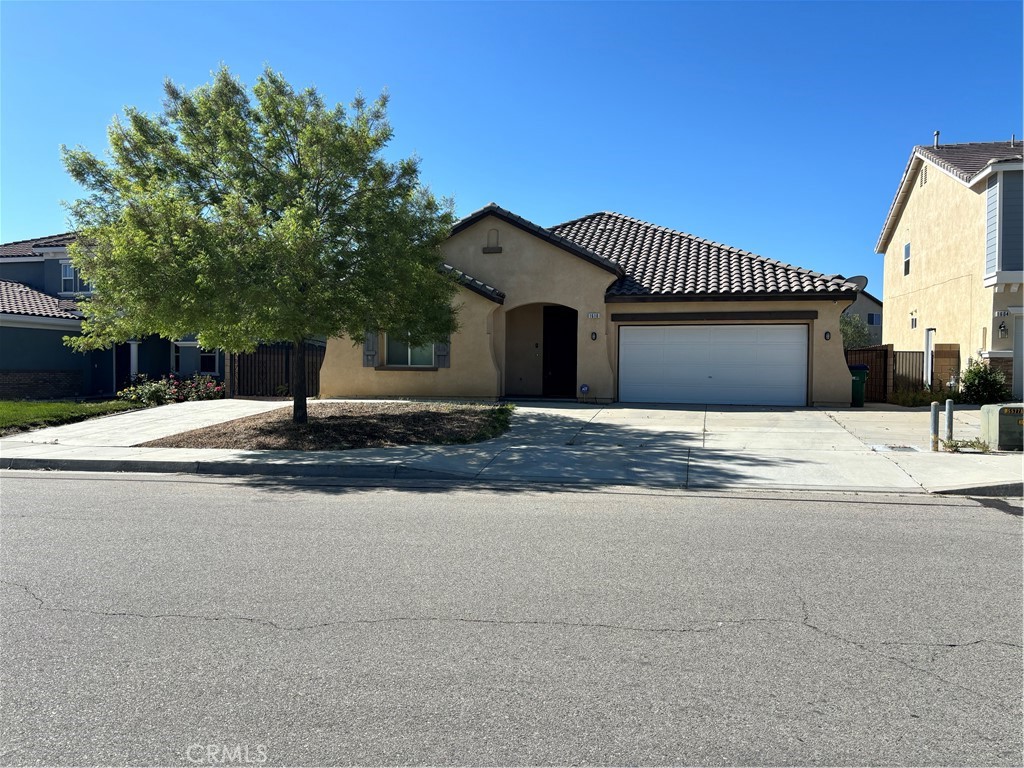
{"x":936,"y":144}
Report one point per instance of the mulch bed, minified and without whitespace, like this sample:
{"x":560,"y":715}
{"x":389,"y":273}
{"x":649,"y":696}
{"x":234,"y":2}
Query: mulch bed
{"x":342,"y":426}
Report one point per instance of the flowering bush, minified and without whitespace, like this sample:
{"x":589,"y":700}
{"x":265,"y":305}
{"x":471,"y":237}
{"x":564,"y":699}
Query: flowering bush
{"x":171,"y":390}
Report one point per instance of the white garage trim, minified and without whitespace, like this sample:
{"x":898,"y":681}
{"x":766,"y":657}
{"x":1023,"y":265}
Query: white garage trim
{"x":742,"y":364}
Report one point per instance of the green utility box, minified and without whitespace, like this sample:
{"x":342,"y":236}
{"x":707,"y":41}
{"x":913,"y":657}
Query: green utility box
{"x":1002,"y":426}
{"x":860,"y":382}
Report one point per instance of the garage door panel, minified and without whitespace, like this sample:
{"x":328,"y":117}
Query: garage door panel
{"x":733,"y":364}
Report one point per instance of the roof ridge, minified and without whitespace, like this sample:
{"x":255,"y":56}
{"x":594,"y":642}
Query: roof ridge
{"x":36,"y":239}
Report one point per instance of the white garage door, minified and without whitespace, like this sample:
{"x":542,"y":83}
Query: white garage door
{"x":721,"y":364}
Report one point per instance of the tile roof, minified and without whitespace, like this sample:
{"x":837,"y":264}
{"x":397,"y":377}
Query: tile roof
{"x":18,"y":299}
{"x":662,"y":263}
{"x":962,"y":161}
{"x":28,"y":247}
{"x":965,"y":161}
{"x":493,"y":209}
{"x":477,"y":286}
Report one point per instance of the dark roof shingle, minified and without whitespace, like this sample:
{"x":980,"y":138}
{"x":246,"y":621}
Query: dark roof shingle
{"x":965,"y":161}
{"x":662,"y":262}
{"x":19,"y":299}
{"x":477,"y":286}
{"x":29,"y":247}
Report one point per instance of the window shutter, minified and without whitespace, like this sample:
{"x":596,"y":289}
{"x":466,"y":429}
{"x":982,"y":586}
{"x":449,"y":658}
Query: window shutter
{"x":370,"y":350}
{"x":442,"y":355}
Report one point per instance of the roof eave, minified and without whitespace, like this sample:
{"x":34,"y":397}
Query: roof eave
{"x":682,"y":297}
{"x":537,"y":231}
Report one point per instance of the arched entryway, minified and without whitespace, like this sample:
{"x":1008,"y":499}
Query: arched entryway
{"x":540,"y":351}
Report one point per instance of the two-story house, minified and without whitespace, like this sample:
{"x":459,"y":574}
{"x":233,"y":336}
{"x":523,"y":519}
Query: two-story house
{"x":953,"y":254}
{"x":38,"y":289}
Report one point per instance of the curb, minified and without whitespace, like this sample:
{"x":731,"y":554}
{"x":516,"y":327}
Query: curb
{"x":1003,"y":489}
{"x":230,"y":468}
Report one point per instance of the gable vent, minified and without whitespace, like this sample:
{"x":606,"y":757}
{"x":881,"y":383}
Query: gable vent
{"x":924,"y":175}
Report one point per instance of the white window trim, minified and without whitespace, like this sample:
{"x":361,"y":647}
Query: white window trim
{"x":78,"y":291}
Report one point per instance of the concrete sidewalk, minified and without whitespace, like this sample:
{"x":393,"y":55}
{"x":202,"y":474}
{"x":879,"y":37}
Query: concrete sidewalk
{"x":876,"y":449}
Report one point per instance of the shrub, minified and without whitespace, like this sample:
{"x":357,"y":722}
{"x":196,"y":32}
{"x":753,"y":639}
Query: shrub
{"x":910,"y":397}
{"x":171,"y":389}
{"x":981,"y":384}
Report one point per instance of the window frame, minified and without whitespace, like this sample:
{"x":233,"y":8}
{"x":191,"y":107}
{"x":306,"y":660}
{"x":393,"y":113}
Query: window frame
{"x":906,"y":259}
{"x":389,"y":363}
{"x":877,"y":316}
{"x":78,"y":286}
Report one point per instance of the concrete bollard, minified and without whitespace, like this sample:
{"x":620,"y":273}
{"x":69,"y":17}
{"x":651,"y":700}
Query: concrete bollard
{"x":935,"y":426}
{"x":949,"y":421}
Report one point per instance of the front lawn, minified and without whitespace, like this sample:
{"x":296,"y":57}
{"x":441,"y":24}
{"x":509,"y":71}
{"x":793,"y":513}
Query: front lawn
{"x":22,"y":415}
{"x":341,"y":426}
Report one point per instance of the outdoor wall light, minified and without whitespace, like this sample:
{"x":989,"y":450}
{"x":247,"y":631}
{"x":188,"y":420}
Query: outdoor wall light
{"x":593,"y":335}
{"x":828,"y":335}
{"x":1003,"y":332}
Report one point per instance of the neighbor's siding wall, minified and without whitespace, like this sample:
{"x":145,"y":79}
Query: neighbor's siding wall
{"x":28,"y":273}
{"x":1012,"y":220}
{"x":946,"y":226}
{"x":34,"y":363}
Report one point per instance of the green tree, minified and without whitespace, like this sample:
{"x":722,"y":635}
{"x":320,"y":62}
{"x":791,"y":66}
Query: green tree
{"x":855,"y":331}
{"x":245,"y":218}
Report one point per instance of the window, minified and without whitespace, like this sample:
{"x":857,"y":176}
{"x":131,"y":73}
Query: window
{"x":187,"y":358}
{"x":874,"y":318}
{"x":70,"y":280}
{"x":906,"y":259}
{"x":208,"y":362}
{"x":399,"y":352}
{"x":913,"y":322}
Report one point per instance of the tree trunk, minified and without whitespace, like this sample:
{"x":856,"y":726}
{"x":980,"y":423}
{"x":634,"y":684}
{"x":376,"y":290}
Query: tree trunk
{"x":298,"y":382}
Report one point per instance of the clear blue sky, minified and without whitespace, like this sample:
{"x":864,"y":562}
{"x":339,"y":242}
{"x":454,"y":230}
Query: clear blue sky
{"x":777,"y":127}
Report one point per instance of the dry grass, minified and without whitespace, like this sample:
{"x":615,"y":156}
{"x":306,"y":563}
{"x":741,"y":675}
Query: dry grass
{"x":342,"y":426}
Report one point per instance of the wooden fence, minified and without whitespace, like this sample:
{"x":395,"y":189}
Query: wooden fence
{"x":890,"y":370}
{"x":267,"y":371}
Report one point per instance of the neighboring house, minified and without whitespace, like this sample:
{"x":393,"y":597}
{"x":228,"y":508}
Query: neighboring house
{"x":38,"y":287}
{"x":869,"y":309}
{"x":607,"y":308}
{"x":953,"y":254}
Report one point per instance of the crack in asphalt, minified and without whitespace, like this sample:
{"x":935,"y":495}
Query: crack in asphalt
{"x":709,"y":626}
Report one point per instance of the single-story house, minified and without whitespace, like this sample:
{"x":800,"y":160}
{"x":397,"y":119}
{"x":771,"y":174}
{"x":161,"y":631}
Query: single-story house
{"x":609,"y":308}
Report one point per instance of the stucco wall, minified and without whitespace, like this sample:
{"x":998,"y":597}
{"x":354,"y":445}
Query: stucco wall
{"x":473,"y":372}
{"x":944,"y":222}
{"x":532,"y":273}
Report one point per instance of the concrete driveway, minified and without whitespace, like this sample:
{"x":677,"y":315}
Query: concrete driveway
{"x":878,"y":448}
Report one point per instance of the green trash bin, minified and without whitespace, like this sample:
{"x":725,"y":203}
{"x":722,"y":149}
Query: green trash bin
{"x":860,"y":382}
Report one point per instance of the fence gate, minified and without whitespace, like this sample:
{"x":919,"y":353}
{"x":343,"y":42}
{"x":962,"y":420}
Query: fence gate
{"x":879,"y":362}
{"x":266,"y":372}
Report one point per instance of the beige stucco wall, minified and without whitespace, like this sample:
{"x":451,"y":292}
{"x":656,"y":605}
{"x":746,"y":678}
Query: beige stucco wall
{"x":532,"y":273}
{"x":944,"y":222}
{"x":828,"y":375}
{"x":473,"y":372}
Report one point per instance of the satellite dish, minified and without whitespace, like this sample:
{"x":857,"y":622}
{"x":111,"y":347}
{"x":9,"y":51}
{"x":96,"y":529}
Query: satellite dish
{"x":859,"y":280}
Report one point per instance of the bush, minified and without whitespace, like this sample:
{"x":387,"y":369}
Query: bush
{"x":981,"y":384}
{"x":171,"y":389}
{"x":911,"y":398}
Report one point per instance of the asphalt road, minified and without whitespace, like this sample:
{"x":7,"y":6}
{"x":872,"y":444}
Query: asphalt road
{"x":164,"y":620}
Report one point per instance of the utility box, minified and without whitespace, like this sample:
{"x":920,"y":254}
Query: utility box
{"x":1002,"y":426}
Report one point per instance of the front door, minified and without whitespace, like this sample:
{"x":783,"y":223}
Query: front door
{"x":559,"y":357}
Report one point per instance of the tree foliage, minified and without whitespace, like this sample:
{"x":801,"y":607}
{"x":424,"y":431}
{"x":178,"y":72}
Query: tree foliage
{"x":855,"y":331}
{"x":268,"y":216}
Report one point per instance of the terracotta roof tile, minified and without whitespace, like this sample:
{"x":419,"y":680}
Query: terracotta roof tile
{"x":663,"y":262}
{"x":18,"y":299}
